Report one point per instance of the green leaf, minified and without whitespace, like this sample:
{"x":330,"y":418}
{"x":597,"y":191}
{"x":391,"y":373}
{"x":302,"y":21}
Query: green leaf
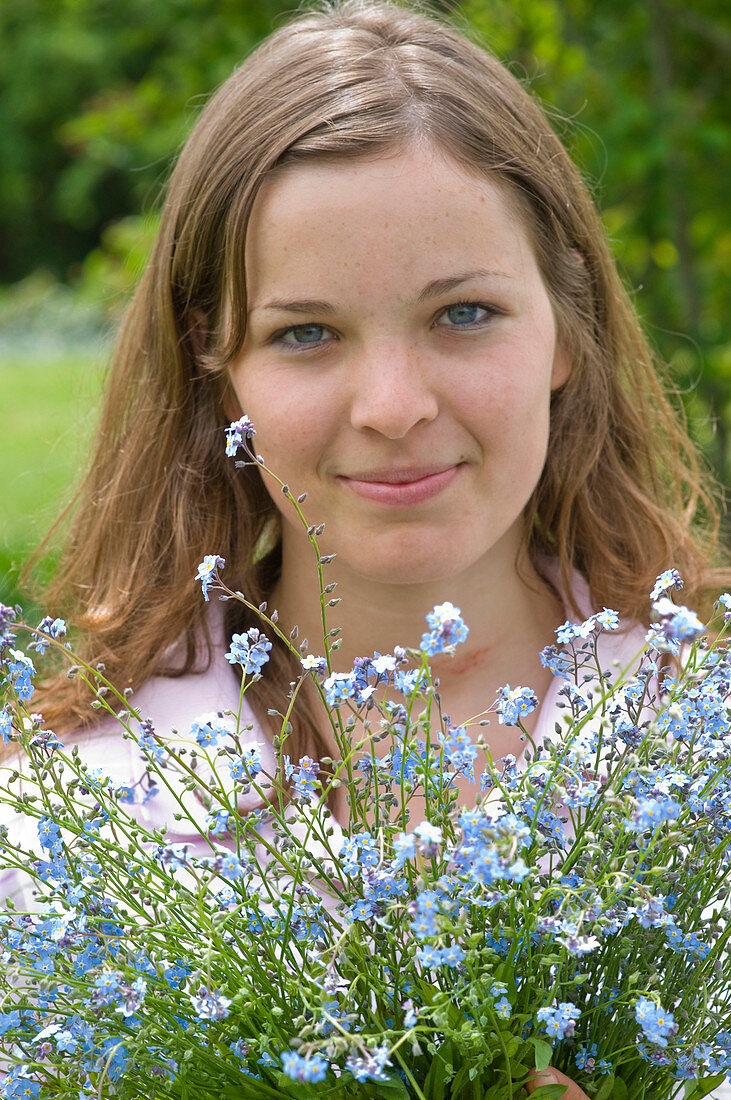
{"x":440,"y":1073}
{"x":392,"y":1088}
{"x":461,"y":1080}
{"x":620,"y":1090}
{"x":694,"y":1090}
{"x":511,"y":1043}
{"x":543,"y":1053}
{"x":606,"y":1089}
{"x":257,"y":1090}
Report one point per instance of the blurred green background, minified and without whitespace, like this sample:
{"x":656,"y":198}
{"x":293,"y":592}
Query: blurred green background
{"x":96,"y":96}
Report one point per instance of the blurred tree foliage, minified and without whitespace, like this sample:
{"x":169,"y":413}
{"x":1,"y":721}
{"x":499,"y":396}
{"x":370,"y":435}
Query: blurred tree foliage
{"x":97,"y":95}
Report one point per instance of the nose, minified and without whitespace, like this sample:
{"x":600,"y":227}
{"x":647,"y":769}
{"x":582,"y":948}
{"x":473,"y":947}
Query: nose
{"x":392,"y":392}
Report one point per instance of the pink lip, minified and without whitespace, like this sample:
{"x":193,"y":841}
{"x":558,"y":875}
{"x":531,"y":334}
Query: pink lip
{"x":402,"y":488}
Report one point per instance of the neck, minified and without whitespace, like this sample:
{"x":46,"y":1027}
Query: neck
{"x":511,"y":614}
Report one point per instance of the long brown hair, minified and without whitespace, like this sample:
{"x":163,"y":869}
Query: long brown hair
{"x":622,"y":495}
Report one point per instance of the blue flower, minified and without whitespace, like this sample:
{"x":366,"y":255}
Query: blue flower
{"x":217,"y":822}
{"x":21,"y":671}
{"x":231,"y":866}
{"x":368,"y":846}
{"x":131,"y":997}
{"x":147,"y":740}
{"x":515,"y":704}
{"x":608,"y":619}
{"x":209,"y":1004}
{"x":207,"y":570}
{"x":651,"y":812}
{"x":568,"y":631}
{"x":250,"y":650}
{"x":447,"y":629}
{"x":316,"y":665}
{"x":172,"y":856}
{"x":45,"y":739}
{"x":113,"y":1056}
{"x":430,"y":837}
{"x":557,"y":661}
{"x":404,"y":846}
{"x":9,"y":1021}
{"x":305,"y":781}
{"x":559,"y":1021}
{"x":6,"y":725}
{"x":175,"y":974}
{"x":679,"y":624}
{"x":298,"y":1068}
{"x":8,"y":616}
{"x":240,"y":1048}
{"x":430,"y":956}
{"x":408,"y":682}
{"x":350,"y":854}
{"x":665,"y":582}
{"x":236,"y":435}
{"x":66,"y":1043}
{"x":454,"y":955}
{"x":18,"y":1084}
{"x":208,"y":729}
{"x":106,"y":989}
{"x":49,"y":835}
{"x":656,"y":1024}
{"x":371,"y":1065}
{"x":339,"y":687}
{"x":585,"y":1058}
{"x":362,"y":910}
{"x":52,"y":628}
{"x":248,"y":765}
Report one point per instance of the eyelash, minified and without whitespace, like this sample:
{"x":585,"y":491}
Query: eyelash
{"x":490,"y":310}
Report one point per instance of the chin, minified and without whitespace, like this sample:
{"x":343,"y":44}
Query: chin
{"x":410,"y":568}
{"x":403,"y":575}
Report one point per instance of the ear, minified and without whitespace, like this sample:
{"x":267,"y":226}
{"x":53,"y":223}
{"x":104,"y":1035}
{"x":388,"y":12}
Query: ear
{"x":561,"y":368}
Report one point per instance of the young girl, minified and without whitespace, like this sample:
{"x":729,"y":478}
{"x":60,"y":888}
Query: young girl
{"x":375,"y":246}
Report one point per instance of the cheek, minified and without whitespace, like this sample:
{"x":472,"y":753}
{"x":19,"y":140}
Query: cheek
{"x":289,"y":420}
{"x":508,"y":404}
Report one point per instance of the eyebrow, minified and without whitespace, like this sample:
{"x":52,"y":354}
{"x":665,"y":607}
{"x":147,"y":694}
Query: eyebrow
{"x":435,"y":289}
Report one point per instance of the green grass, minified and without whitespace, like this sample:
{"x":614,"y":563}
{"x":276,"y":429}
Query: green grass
{"x":49,"y":410}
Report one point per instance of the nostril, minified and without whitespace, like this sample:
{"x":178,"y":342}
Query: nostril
{"x":393,"y":409}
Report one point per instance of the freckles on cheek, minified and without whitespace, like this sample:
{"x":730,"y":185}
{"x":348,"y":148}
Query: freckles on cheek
{"x":289,"y":436}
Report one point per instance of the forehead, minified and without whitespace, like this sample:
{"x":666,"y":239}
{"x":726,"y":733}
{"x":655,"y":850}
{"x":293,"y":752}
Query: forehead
{"x":411,"y":211}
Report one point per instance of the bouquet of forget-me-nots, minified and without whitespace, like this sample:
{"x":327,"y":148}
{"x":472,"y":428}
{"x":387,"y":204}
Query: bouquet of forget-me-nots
{"x":575,"y":911}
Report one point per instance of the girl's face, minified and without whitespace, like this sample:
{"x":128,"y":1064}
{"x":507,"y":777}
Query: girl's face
{"x":399,"y":360}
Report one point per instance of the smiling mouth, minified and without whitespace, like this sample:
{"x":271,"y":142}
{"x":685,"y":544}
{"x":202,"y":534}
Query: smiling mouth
{"x":405,"y":476}
{"x":402,"y":488}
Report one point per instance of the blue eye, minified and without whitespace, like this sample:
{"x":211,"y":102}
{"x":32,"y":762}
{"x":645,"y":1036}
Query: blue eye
{"x":304,"y":334}
{"x":462,"y":314}
{"x":465,"y":314}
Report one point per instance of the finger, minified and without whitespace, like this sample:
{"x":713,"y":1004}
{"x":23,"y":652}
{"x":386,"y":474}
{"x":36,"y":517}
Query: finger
{"x":551,"y":1076}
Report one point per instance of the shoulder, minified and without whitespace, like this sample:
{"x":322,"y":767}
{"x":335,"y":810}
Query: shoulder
{"x":172,"y":704}
{"x":175,"y":699}
{"x":623,"y":645}
{"x":617,"y":650}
